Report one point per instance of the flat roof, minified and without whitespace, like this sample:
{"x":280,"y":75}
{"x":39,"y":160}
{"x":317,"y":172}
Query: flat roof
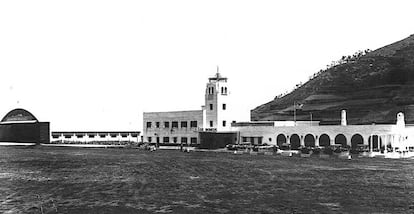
{"x":96,"y":132}
{"x":156,"y":112}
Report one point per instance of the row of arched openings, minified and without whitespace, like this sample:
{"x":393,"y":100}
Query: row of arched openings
{"x":325,"y":140}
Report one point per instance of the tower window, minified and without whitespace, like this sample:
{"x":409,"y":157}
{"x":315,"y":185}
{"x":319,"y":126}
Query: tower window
{"x":224,"y":123}
{"x":211,"y":107}
{"x":210,"y":90}
{"x":157,"y":124}
{"x":224,"y":106}
{"x":165,"y":139}
{"x":193,"y":124}
{"x":148,"y":124}
{"x":166,"y":124}
{"x":224,"y":90}
{"x":211,"y":123}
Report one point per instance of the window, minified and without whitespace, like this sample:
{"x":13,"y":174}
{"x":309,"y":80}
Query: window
{"x":102,"y":135}
{"x":175,"y":139}
{"x":174,"y":124}
{"x":148,"y":124}
{"x":166,"y":124}
{"x":79,"y":135}
{"x":224,"y":106}
{"x":184,"y":140}
{"x":124,"y":135}
{"x":193,"y":140}
{"x":55,"y":136}
{"x":149,"y":139}
{"x":225,"y":90}
{"x":183,"y":124}
{"x":113,"y":135}
{"x":68,"y":136}
{"x":224,"y":123}
{"x":222,"y":90}
{"x":211,"y":90}
{"x":134,"y":135}
{"x":91,"y":135}
{"x":193,"y":124}
{"x":157,"y":124}
{"x":165,"y":139}
{"x":211,"y":107}
{"x":211,"y":123}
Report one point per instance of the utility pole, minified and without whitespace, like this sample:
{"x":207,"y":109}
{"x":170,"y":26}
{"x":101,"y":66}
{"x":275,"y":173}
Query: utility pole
{"x":311,"y":119}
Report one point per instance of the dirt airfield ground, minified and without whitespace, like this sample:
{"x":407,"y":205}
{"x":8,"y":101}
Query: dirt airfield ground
{"x":76,"y":180}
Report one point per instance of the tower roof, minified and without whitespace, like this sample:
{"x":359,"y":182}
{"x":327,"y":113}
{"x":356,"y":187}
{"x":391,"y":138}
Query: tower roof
{"x":217,"y":77}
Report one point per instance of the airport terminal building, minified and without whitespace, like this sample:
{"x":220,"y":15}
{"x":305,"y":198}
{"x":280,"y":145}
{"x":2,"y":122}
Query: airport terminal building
{"x":214,"y":127}
{"x":194,"y":127}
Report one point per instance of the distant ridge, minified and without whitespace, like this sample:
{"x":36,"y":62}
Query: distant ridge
{"x":373,"y":86}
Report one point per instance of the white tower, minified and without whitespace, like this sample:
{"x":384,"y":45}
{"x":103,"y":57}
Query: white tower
{"x":217,"y":114}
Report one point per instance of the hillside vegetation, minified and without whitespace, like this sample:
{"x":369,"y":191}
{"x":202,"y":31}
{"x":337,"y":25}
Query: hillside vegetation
{"x":371,"y":85}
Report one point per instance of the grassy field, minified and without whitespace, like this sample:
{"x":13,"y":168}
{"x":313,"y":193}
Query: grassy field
{"x":72,"y":180}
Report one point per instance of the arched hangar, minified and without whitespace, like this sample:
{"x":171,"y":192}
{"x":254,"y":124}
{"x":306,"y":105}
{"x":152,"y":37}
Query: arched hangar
{"x":20,"y":127}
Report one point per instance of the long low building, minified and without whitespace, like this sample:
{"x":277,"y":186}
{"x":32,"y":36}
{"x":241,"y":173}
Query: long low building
{"x":376,"y":137}
{"x":92,"y":137}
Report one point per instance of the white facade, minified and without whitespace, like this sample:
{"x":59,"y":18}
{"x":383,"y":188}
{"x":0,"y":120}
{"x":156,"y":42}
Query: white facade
{"x":217,"y":105}
{"x":172,"y":127}
{"x":397,"y":136}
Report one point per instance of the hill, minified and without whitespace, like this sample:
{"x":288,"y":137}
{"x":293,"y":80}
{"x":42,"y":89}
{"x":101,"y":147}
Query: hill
{"x":371,"y":85}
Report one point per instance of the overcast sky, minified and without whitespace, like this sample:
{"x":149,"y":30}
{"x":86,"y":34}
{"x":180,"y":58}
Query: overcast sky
{"x":98,"y":65}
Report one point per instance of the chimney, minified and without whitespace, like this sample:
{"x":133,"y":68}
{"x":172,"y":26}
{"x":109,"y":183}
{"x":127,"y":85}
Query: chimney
{"x":400,"y":120}
{"x":343,"y":118}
